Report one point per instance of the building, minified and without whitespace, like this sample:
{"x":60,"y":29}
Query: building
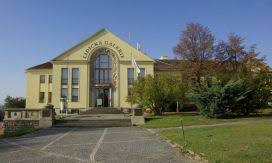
{"x":95,"y":72}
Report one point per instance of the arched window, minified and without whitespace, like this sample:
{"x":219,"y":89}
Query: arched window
{"x":103,"y":69}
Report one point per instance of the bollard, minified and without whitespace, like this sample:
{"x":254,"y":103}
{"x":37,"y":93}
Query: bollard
{"x":183,"y":133}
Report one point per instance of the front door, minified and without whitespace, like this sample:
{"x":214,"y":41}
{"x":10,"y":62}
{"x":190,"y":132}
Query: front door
{"x":102,"y":96}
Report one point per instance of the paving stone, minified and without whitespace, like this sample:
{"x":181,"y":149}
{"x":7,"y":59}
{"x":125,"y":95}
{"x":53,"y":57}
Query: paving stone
{"x":69,"y":145}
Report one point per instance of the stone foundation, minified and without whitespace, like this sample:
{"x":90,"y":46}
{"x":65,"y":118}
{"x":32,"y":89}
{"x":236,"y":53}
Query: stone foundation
{"x":20,"y":119}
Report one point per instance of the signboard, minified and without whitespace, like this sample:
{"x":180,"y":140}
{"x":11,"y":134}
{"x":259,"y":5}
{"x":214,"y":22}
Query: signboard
{"x":99,"y":102}
{"x":102,"y":43}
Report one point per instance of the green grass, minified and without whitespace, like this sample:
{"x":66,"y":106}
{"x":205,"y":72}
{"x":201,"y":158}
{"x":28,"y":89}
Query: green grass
{"x":17,"y":133}
{"x":241,"y":143}
{"x":189,"y":119}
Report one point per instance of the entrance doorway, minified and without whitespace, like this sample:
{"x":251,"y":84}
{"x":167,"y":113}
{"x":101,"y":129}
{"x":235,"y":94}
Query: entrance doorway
{"x":102,"y":97}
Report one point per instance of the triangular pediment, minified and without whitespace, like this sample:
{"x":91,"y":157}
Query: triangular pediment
{"x":103,"y":39}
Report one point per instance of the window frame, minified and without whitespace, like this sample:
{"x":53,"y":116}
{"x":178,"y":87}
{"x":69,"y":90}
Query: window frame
{"x":61,"y":91}
{"x":42,"y":81}
{"x":77,"y":81}
{"x":102,"y":73}
{"x":75,"y":98}
{"x":62,"y":76}
{"x":50,"y":78}
{"x":130,"y":79}
{"x":49,"y":97}
{"x":41,"y":100}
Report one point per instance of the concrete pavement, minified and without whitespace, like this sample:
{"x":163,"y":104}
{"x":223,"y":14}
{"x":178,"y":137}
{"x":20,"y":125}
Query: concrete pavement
{"x":117,"y":144}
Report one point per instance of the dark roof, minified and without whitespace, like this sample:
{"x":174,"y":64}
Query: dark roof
{"x":46,"y":65}
{"x":165,"y":65}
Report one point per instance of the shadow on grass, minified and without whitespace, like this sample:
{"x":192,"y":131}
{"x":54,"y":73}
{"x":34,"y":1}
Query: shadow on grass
{"x":265,"y":113}
{"x":151,"y":117}
{"x":18,"y":133}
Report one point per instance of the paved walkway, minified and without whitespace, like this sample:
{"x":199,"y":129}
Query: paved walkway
{"x":155,"y":130}
{"x":119,"y":144}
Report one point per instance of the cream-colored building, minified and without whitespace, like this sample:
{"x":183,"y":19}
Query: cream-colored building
{"x":95,"y":72}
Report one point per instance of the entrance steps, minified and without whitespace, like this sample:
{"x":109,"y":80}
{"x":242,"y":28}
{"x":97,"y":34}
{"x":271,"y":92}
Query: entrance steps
{"x":95,"y":120}
{"x":94,"y":123}
{"x":103,"y":110}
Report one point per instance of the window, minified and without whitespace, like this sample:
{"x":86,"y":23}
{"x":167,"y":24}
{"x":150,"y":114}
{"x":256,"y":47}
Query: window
{"x":142,"y":73}
{"x":75,"y":75}
{"x":64,"y":76}
{"x":50,"y":79}
{"x":41,"y":97}
{"x":64,"y":92}
{"x":103,"y":69}
{"x":42,"y":78}
{"x":49,"y":97}
{"x":130,"y":74}
{"x":74,"y":94}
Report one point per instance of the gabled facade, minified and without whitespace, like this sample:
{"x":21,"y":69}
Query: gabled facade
{"x":96,"y":72}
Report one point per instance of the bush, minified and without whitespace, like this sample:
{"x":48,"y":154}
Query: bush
{"x":14,"y":102}
{"x":237,"y":97}
{"x":156,"y":93}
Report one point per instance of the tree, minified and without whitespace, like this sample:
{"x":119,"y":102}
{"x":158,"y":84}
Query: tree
{"x":156,"y":93}
{"x":14,"y":102}
{"x":196,"y":47}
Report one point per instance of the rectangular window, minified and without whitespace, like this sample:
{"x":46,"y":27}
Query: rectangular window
{"x":41,"y":97}
{"x":49,"y":97}
{"x":64,"y":76}
{"x":75,"y":72}
{"x":64,"y":92}
{"x":130,"y":74}
{"x":50,"y":79}
{"x":142,"y":73}
{"x":42,"y":78}
{"x":74,"y":94}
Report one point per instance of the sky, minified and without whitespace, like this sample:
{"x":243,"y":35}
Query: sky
{"x":35,"y":31}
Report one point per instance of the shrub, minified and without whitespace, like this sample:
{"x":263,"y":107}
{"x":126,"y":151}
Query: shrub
{"x":156,"y":93}
{"x":237,"y":97}
{"x":14,"y":102}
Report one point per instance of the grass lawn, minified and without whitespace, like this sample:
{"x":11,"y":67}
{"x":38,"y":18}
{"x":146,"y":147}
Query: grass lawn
{"x":241,"y":143}
{"x":189,"y":119}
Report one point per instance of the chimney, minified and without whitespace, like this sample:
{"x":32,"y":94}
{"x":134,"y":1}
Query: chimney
{"x":164,"y":57}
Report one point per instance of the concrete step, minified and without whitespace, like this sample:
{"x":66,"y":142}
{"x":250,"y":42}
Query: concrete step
{"x":93,"y":123}
{"x":103,"y":110}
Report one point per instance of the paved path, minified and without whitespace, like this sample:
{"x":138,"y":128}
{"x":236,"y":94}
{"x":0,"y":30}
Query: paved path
{"x":120,"y":144}
{"x":155,"y":130}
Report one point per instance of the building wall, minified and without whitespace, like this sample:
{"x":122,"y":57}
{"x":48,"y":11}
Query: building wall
{"x":82,"y":86}
{"x":149,"y":70}
{"x":34,"y":87}
{"x":79,"y":57}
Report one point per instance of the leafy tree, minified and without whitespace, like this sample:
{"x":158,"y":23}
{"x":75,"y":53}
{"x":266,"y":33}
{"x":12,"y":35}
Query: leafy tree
{"x":233,"y":58}
{"x":156,"y":93}
{"x":14,"y":102}
{"x":196,"y":47}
